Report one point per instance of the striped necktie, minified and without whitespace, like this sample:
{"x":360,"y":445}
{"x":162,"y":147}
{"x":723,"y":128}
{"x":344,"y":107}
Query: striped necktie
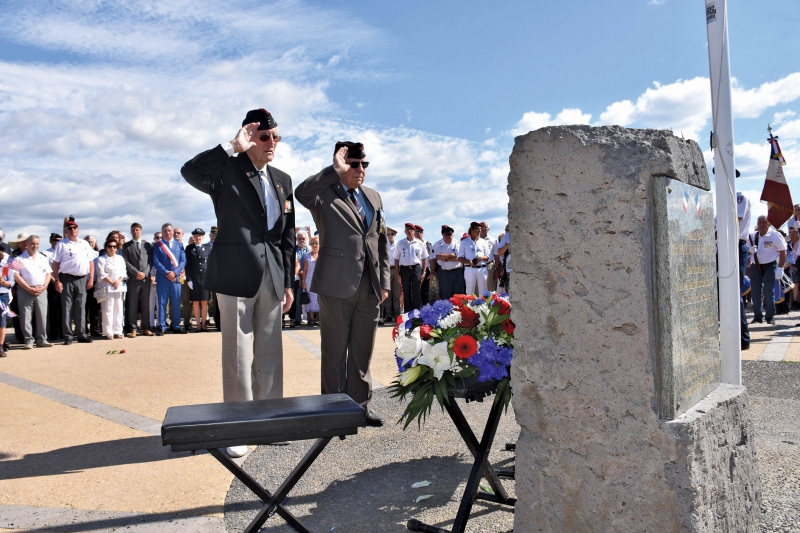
{"x":356,"y":203}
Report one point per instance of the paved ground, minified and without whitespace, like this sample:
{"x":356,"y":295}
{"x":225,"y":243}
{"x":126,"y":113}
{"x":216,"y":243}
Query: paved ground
{"x":79,"y":445}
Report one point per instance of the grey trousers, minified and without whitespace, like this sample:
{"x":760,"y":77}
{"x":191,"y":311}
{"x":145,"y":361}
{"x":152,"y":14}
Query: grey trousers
{"x":139,"y":294}
{"x":347,"y":338}
{"x":73,"y":305}
{"x":252,"y":345}
{"x":30,"y":305}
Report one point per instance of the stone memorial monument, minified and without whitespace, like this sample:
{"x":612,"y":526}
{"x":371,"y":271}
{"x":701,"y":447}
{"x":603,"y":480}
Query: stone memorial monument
{"x":625,"y":425}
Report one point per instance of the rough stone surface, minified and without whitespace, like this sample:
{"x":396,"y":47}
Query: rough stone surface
{"x":593,"y":454}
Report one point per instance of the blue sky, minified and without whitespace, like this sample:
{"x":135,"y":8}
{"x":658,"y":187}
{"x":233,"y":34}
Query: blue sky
{"x":101,"y":102}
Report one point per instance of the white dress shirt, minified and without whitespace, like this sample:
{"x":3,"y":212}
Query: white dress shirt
{"x":34,"y":269}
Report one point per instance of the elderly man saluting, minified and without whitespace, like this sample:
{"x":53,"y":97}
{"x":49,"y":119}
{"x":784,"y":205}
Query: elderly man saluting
{"x":352,"y":274}
{"x":251,"y":266}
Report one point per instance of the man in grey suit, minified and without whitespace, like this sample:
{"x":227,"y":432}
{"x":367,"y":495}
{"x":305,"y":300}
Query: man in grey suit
{"x":138,"y":256}
{"x":251,"y":266}
{"x":351,"y":278}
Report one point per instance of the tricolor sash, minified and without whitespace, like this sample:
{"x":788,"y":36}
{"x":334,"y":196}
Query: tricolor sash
{"x":169,"y":253}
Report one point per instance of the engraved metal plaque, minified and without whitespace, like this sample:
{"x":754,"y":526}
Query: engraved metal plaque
{"x":687,"y":316}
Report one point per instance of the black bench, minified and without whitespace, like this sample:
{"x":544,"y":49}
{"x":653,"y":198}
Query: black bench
{"x":219,"y":425}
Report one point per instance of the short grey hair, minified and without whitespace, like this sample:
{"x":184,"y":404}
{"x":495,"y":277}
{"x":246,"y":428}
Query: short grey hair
{"x":303,"y":233}
{"x":31,"y":237}
{"x":763,"y":217}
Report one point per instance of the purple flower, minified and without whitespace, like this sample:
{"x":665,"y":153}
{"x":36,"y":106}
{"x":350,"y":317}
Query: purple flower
{"x":400,"y":367}
{"x":431,"y":314}
{"x":487,"y":294}
{"x":492,"y":360}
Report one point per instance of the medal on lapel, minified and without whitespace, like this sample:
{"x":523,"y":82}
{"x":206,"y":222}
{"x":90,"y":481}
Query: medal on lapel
{"x":381,"y":221}
{"x":287,"y":206}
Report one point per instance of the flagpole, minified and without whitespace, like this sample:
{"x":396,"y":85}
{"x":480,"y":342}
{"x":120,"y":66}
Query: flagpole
{"x":725,"y":185}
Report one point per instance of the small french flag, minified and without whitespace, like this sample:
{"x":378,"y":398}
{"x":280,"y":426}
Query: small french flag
{"x":697,"y":203}
{"x":685,"y":202}
{"x":5,"y":311}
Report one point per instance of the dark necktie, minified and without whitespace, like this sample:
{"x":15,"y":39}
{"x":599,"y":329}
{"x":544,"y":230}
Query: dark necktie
{"x":137,"y":246}
{"x":356,"y":203}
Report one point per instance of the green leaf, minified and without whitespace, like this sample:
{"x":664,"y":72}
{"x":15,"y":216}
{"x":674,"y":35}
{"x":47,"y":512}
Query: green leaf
{"x":420,"y":484}
{"x":487,"y":489}
{"x":423,"y":497}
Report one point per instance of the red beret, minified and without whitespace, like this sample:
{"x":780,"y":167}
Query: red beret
{"x":410,"y":225}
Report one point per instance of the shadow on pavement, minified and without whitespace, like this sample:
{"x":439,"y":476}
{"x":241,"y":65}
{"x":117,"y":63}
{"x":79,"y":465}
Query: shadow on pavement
{"x":87,"y":456}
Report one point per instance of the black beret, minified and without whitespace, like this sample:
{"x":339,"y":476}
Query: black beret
{"x":198,"y":231}
{"x":354,"y":150}
{"x":55,"y":236}
{"x":447,"y":229}
{"x":473,"y":225}
{"x":262,"y":116}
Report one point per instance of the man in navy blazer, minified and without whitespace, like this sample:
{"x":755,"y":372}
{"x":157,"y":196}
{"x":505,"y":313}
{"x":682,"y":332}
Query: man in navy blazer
{"x":251,"y":266}
{"x":169,"y":260}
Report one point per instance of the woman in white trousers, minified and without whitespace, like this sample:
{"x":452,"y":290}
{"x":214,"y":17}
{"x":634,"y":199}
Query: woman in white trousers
{"x":112,"y":274}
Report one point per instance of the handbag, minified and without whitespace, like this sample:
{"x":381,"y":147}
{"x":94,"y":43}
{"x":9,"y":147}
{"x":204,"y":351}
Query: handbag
{"x":305,"y":299}
{"x":101,"y":294}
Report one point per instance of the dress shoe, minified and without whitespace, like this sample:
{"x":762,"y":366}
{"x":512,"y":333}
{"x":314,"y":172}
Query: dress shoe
{"x":29,"y":346}
{"x":280,"y":443}
{"x":118,"y":337}
{"x":67,"y":342}
{"x":85,"y":340}
{"x":158,"y":332}
{"x":757,"y":321}
{"x":771,"y":321}
{"x":43,"y":344}
{"x":236,"y":451}
{"x":3,"y":353}
{"x":374,"y":420}
{"x":109,"y":337}
{"x":745,"y":346}
{"x":147,"y":333}
{"x":132,"y":334}
{"x":181,"y":331}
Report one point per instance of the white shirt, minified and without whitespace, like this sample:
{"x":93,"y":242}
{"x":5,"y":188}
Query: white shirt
{"x":492,"y":244}
{"x":410,"y":253}
{"x":470,"y":249}
{"x":392,"y":247}
{"x":503,"y":242}
{"x":73,"y":257}
{"x":441,"y":247}
{"x":743,"y":212}
{"x":769,"y":246}
{"x":110,"y":267}
{"x":271,"y":202}
{"x":34,"y":269}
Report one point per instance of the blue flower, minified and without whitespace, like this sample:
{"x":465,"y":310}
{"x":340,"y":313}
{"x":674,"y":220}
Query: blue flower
{"x":400,"y":367}
{"x":431,"y":314}
{"x":487,"y":294}
{"x":492,"y":360}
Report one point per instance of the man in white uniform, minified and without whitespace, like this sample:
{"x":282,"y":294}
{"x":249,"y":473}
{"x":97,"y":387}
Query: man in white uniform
{"x":410,"y":260}
{"x":769,"y":251}
{"x":474,"y":255}
{"x":449,"y":270}
{"x":73,"y":269}
{"x":491,"y":266}
{"x":32,"y":283}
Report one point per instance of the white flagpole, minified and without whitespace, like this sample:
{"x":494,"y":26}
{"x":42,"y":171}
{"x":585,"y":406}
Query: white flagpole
{"x":725,"y":175}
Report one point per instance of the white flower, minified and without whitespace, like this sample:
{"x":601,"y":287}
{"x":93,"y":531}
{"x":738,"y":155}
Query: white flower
{"x":409,"y":347}
{"x":436,"y":357}
{"x":451,"y":320}
{"x":410,"y":376}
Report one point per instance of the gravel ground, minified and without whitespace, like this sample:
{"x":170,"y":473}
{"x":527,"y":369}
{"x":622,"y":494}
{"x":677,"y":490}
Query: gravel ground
{"x":774,"y":390}
{"x":363,"y":484}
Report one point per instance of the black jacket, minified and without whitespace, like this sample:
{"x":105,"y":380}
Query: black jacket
{"x":244,"y":246}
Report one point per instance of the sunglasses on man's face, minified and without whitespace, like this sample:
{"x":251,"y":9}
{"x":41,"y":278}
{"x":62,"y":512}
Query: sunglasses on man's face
{"x":355,"y":164}
{"x":265,"y":137}
{"x":111,"y":246}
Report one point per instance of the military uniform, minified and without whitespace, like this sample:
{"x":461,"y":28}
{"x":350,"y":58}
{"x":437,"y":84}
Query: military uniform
{"x":475,"y":274}
{"x":450,"y":274}
{"x":196,"y":266}
{"x":409,"y":256}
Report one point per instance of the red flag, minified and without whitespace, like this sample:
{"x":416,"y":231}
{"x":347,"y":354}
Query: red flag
{"x":776,"y":191}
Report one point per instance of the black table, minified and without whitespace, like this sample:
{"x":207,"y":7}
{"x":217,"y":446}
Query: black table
{"x":472,"y":390}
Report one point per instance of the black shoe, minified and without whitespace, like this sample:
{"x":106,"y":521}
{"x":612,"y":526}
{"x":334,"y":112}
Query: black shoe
{"x":757,"y":321}
{"x":179,"y":331}
{"x":67,"y":342}
{"x":771,"y":321}
{"x":158,"y":332}
{"x":374,"y":420}
{"x":85,"y":340}
{"x":745,"y":346}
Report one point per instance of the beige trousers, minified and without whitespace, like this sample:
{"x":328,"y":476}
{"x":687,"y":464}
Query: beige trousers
{"x":252,"y":345}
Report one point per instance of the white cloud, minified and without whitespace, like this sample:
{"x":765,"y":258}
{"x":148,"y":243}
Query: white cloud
{"x":531,"y":120}
{"x":782,"y":116}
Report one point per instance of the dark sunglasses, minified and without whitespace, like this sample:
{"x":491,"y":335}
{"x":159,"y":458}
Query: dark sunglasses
{"x":355,"y":164}
{"x":111,"y":245}
{"x":264,"y":137}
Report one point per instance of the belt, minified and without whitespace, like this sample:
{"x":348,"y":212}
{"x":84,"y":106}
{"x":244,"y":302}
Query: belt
{"x":72,"y":275}
{"x":475,"y":266}
{"x":451,"y":269}
{"x":773,"y":263}
{"x":410,"y":266}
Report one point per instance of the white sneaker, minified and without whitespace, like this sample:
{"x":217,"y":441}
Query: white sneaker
{"x":236,"y":451}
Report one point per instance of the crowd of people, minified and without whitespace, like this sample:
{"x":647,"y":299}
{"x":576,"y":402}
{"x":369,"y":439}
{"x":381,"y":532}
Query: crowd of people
{"x":75,"y":290}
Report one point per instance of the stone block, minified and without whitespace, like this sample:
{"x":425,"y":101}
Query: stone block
{"x":594,"y":454}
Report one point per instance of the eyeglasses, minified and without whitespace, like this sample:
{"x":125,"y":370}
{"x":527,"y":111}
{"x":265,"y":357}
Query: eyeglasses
{"x":266,"y":137}
{"x":314,"y":244}
{"x":111,"y":246}
{"x":355,"y":164}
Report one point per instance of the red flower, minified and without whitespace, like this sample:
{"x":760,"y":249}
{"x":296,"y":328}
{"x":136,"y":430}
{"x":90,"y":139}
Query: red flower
{"x":395,"y":332}
{"x":465,"y":347}
{"x":505,"y":308}
{"x":508,"y":326}
{"x":469,"y":318}
{"x":425,"y":331}
{"x":399,"y":320}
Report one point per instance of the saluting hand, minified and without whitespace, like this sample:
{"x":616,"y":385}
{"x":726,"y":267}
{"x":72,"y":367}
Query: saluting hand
{"x":243,"y":142}
{"x":339,"y":164}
